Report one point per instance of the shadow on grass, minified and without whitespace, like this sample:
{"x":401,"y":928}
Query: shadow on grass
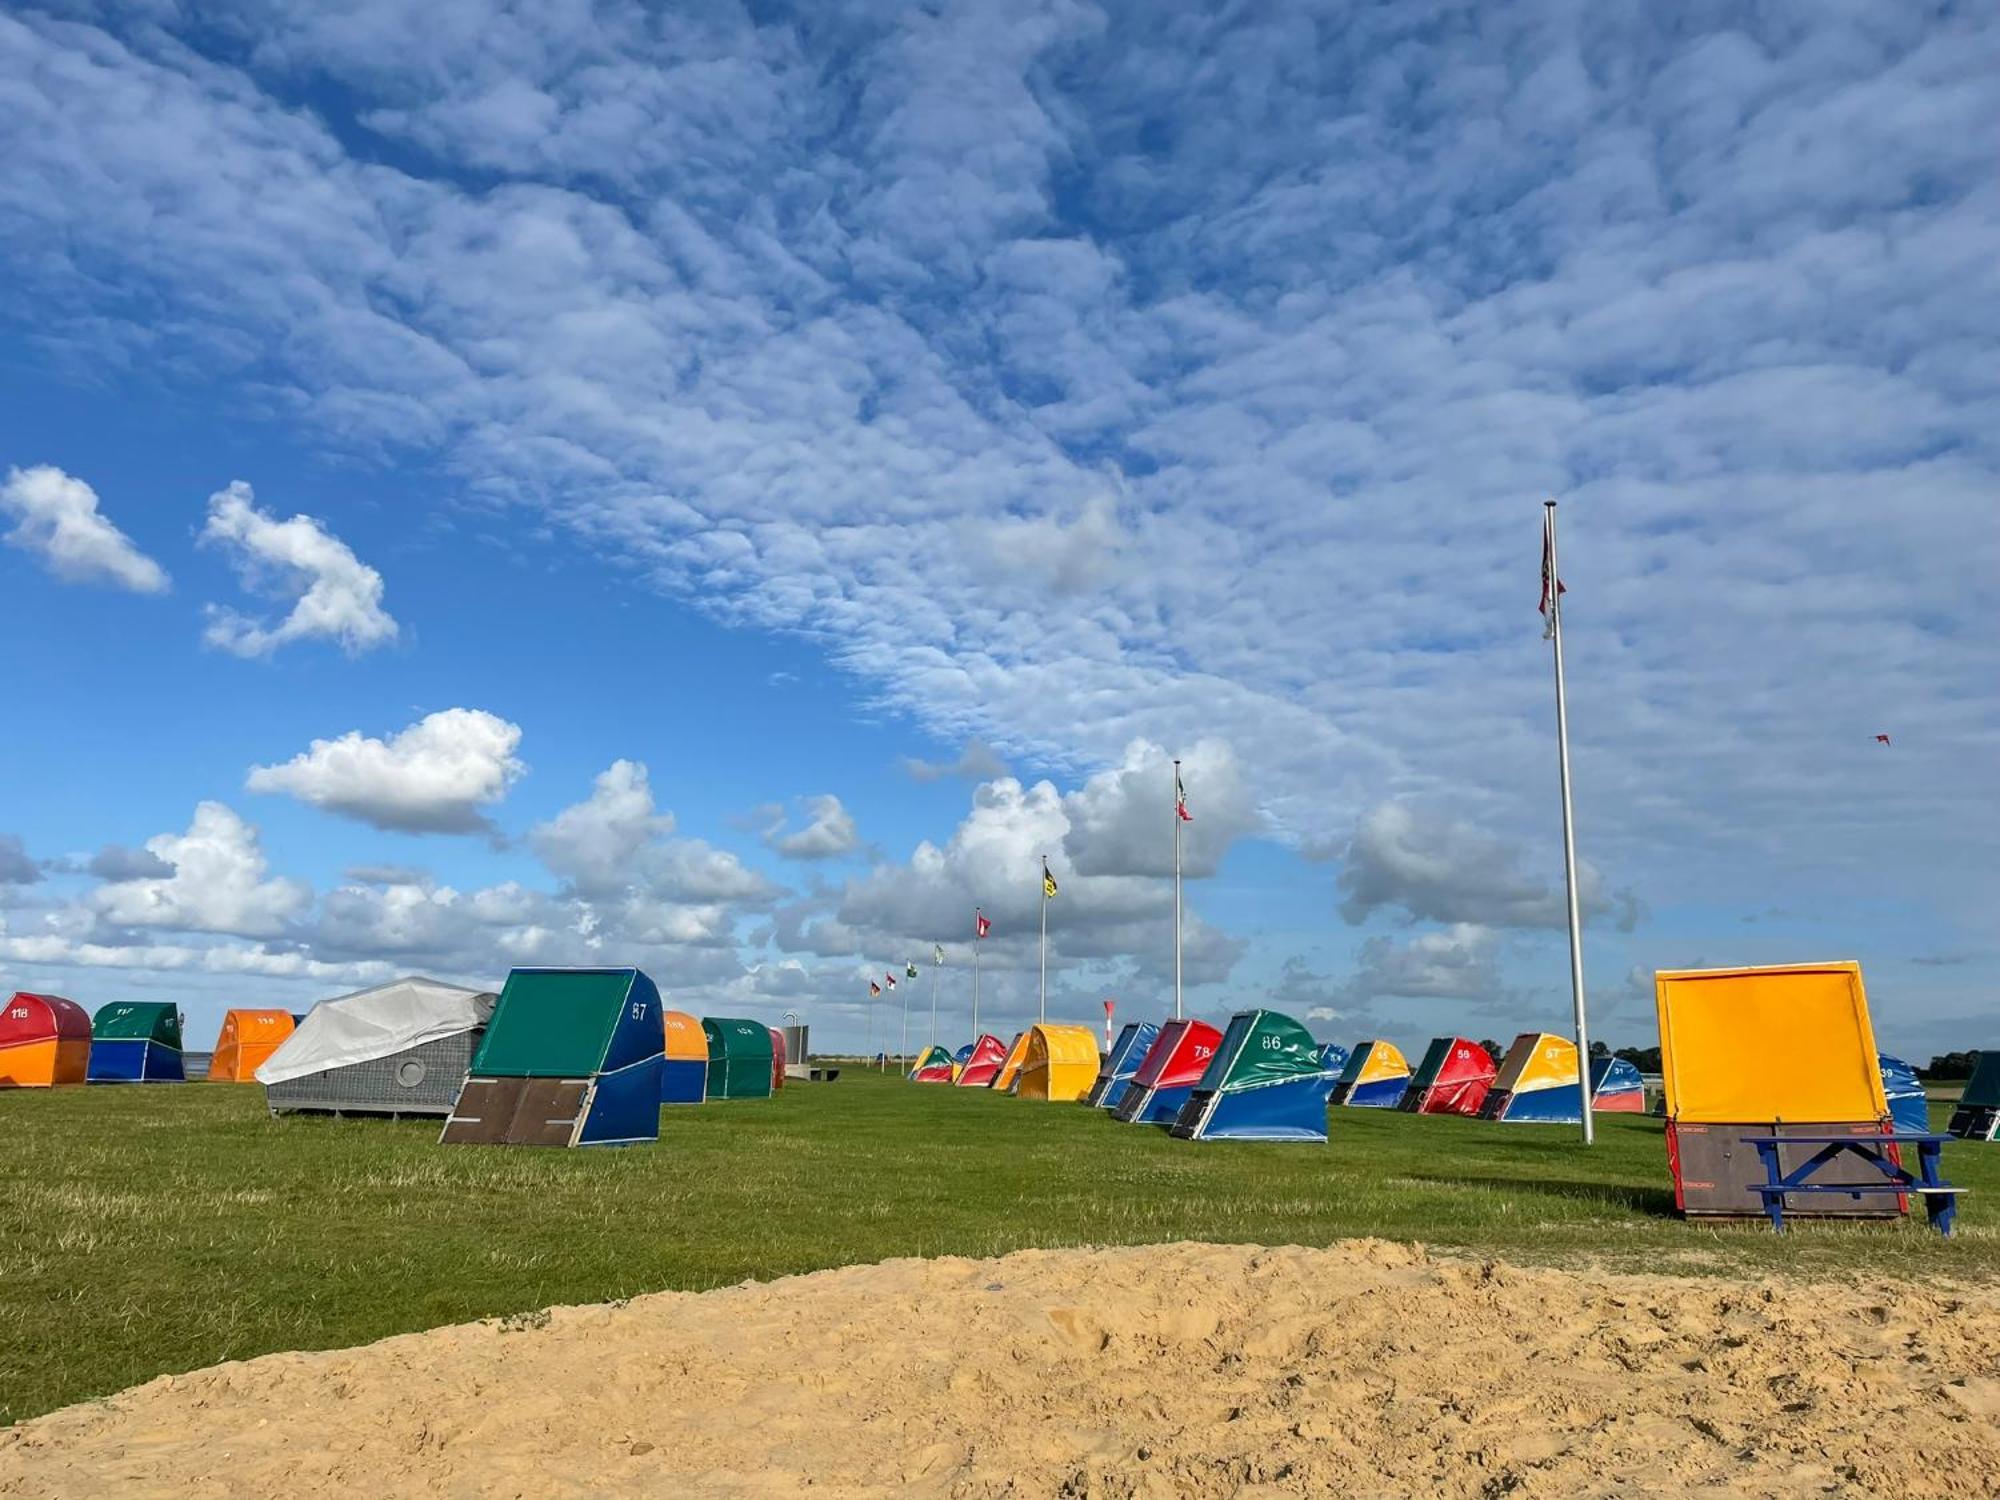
{"x":1657,"y":1203}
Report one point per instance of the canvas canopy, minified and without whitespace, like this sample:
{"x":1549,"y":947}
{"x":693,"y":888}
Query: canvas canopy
{"x":1977,"y":1117}
{"x":740,"y":1058}
{"x":44,"y":1042}
{"x":1333,"y":1058}
{"x":982,"y":1063}
{"x":246,"y":1043}
{"x":374,"y":1023}
{"x":570,"y":1058}
{"x":1011,"y":1068}
{"x":777,"y":1058}
{"x":1909,"y":1110}
{"x":1121,"y":1064}
{"x":933,"y":1065}
{"x":1374,"y":1078}
{"x":1172,"y":1067}
{"x":684,"y":1063}
{"x":1265,"y":1082}
{"x":1764,"y":1051}
{"x":1059,"y":1065}
{"x":136,"y":1041}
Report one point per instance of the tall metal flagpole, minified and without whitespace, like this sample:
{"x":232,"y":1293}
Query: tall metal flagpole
{"x":1177,"y":890}
{"x":1044,"y":1016}
{"x":903,"y":1042}
{"x":1552,"y":589}
{"x":937,"y":962}
{"x":977,"y":917}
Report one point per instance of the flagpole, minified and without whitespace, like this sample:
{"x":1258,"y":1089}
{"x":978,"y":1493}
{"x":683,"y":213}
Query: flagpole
{"x":976,"y":918}
{"x":1045,"y":941}
{"x":934,"y":980}
{"x":871,"y":1023}
{"x":1554,"y":588}
{"x":903,"y":1042}
{"x":1177,"y":890}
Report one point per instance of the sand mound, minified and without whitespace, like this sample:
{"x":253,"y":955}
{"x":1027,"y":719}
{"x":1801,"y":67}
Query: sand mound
{"x":1364,"y":1369}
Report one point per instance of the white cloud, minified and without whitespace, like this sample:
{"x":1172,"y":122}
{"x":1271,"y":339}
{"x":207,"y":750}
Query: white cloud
{"x":976,"y":762}
{"x":57,"y":517}
{"x":1458,"y":963}
{"x":615,"y":844}
{"x":436,"y":776}
{"x":595,"y":844}
{"x":218,"y":883}
{"x":335,"y":594}
{"x":1443,"y":870}
{"x":16,"y":868}
{"x":829,"y":831}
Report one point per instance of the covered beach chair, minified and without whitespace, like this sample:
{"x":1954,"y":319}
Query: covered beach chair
{"x":401,"y":1048}
{"x":1453,"y":1079}
{"x":248,"y":1039}
{"x":1908,"y":1107}
{"x":933,"y":1065}
{"x":1172,"y":1067}
{"x":1977,"y":1116}
{"x":570,"y":1058}
{"x":1060,"y":1065}
{"x":1010,"y":1070}
{"x":1265,"y":1083}
{"x":1775,"y":1051}
{"x":136,"y":1041}
{"x":982,"y":1063}
{"x":44,"y":1042}
{"x":1121,"y":1064}
{"x":684,"y":1064}
{"x":741,"y":1060}
{"x":1374,"y":1078}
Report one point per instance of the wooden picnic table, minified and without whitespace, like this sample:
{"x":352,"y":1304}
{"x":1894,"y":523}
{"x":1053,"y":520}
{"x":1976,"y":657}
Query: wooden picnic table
{"x":1940,"y":1198}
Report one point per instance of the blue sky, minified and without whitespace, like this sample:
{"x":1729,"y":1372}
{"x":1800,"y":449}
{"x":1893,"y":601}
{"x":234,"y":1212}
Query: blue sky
{"x":728,"y":490}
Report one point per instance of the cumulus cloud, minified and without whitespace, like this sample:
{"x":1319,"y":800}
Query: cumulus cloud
{"x":1444,"y":870}
{"x":219,"y":883}
{"x":335,"y":595}
{"x":436,"y":776}
{"x":829,"y":831}
{"x":1122,"y":822}
{"x":615,"y":843}
{"x":118,"y":862}
{"x":1458,"y":963}
{"x":16,"y":868}
{"x":978,"y":761}
{"x":56,"y":517}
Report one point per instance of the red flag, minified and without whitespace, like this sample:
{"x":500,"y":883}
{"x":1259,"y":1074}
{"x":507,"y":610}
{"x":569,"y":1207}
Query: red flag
{"x":892,"y":980}
{"x":1881,"y":739}
{"x":980,"y":926}
{"x":1180,"y":798}
{"x":1549,"y":573}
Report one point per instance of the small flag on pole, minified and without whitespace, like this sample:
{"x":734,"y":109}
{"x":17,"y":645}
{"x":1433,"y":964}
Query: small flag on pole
{"x":980,"y":926}
{"x":1549,"y":578}
{"x":892,"y":980}
{"x":874,"y":988}
{"x":937,"y":953}
{"x":910,"y":970}
{"x":1881,"y":739}
{"x":1180,"y":798}
{"x":1048,"y":880}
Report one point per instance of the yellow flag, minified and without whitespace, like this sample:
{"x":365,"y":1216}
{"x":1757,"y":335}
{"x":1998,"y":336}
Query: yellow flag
{"x":1048,"y":881}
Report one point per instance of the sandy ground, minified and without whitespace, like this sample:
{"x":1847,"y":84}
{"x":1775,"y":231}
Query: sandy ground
{"x":1180,"y":1370}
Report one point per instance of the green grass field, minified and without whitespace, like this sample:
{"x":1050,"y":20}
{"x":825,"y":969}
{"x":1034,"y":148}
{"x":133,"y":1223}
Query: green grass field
{"x":147,"y":1230}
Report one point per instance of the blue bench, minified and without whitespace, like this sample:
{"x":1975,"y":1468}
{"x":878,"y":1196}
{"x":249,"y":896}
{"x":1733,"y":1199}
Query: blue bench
{"x":1940,"y":1199}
